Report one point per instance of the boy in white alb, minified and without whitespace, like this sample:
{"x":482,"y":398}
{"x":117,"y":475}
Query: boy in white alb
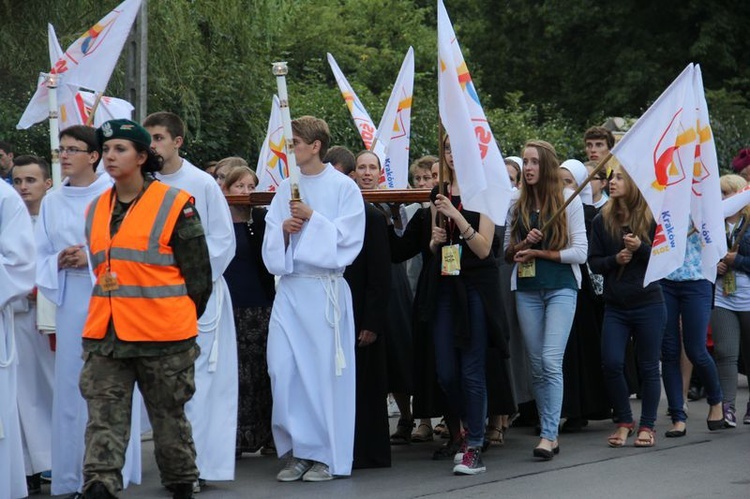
{"x":309,"y":243}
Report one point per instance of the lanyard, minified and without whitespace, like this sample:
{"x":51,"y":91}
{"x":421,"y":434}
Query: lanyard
{"x":451,"y":224}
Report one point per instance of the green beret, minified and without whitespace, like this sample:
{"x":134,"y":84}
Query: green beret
{"x":123,"y":129}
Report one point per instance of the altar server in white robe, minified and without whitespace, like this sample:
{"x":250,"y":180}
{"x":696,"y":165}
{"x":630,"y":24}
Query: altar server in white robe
{"x":213,"y":409}
{"x":16,"y":281}
{"x":36,"y":359}
{"x":64,"y":277}
{"x":311,"y":332}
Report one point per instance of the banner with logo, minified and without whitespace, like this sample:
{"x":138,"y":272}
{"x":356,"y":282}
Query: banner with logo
{"x":395,"y":128}
{"x":478,"y":163}
{"x":77,"y":111}
{"x":705,"y":206}
{"x":88,"y":63}
{"x":361,"y":117}
{"x":272,"y":164}
{"x":658,"y":153}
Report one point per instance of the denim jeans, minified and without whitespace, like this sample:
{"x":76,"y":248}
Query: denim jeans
{"x":461,"y":371}
{"x":691,"y":302}
{"x":646,"y":325}
{"x":546,"y":317}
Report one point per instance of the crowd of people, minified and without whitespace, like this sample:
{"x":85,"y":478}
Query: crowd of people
{"x":135,"y":298}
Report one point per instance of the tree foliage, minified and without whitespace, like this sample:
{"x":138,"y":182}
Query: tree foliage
{"x":543,"y":68}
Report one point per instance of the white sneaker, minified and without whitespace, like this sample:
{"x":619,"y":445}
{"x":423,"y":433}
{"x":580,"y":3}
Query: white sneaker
{"x":318,"y":473}
{"x":293,"y":470}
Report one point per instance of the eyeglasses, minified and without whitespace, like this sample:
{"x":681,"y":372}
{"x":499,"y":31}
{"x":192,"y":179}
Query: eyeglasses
{"x":71,"y":150}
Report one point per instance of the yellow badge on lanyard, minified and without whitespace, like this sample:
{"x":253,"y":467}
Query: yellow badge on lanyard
{"x":451,"y":263}
{"x":730,"y":283}
{"x":108,"y":281}
{"x":527,"y":269}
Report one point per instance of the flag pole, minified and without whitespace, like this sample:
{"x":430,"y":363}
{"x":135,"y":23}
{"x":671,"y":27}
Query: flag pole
{"x":54,"y":127}
{"x":594,"y":172}
{"x":440,"y":222}
{"x":91,"y":116}
{"x":280,"y":70}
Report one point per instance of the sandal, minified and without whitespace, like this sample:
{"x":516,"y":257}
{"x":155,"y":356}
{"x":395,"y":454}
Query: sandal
{"x":441,"y":429}
{"x":648,"y":441}
{"x":495,"y":435}
{"x":423,"y":433}
{"x":402,"y":435}
{"x":616,"y":440}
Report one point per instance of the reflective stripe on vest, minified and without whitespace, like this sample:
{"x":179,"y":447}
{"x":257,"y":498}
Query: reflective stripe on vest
{"x":142,"y":292}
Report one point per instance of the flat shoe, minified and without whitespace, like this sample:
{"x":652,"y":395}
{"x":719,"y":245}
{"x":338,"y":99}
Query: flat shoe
{"x":675,"y":433}
{"x":716,"y":424}
{"x":545,"y":454}
{"x":423,"y":433}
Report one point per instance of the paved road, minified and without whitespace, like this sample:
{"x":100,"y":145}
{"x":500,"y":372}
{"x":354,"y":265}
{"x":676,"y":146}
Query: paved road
{"x":703,"y":464}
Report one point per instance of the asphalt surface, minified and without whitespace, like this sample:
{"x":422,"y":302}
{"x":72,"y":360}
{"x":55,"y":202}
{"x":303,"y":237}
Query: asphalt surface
{"x":702,"y":464}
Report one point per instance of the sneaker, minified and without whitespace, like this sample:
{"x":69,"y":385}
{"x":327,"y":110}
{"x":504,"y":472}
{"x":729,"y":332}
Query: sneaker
{"x":458,"y":457}
{"x":746,"y":418}
{"x":471,"y":463}
{"x":294,"y":469}
{"x":46,"y":476}
{"x":318,"y":473}
{"x":730,"y":417}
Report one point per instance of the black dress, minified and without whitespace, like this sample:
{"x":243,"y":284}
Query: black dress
{"x":369,"y":280}
{"x":252,"y":290}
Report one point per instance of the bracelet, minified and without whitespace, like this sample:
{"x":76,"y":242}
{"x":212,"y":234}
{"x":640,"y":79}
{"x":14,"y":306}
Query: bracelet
{"x":472,"y":236}
{"x":467,"y":230}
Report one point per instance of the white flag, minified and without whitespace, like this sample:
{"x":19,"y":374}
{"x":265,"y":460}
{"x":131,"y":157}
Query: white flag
{"x":272,"y":164}
{"x":735,"y":203}
{"x":478,"y":164}
{"x":78,"y":110}
{"x":87,"y":63}
{"x":658,"y":153}
{"x":395,"y":128}
{"x":361,"y":118}
{"x":705,"y":207}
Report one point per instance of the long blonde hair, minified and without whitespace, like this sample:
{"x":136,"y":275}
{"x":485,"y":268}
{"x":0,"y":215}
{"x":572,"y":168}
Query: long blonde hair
{"x":630,"y":210}
{"x":549,"y":191}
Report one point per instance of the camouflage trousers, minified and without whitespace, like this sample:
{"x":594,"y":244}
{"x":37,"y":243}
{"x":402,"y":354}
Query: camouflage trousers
{"x":166,"y":383}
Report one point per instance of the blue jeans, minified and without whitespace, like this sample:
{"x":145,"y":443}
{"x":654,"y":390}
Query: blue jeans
{"x":646,"y":325}
{"x":461,"y":371}
{"x":545,"y":318}
{"x":691,"y":302}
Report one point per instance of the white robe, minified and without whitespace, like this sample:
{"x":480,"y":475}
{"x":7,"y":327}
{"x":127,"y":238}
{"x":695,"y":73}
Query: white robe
{"x":36,"y":374}
{"x":313,"y":390}
{"x":16,"y":280}
{"x":213,"y":409}
{"x":60,"y":225}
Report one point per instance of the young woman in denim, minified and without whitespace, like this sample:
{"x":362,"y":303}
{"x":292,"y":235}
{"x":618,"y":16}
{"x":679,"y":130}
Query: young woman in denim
{"x":466,"y":318}
{"x":547,"y":287}
{"x":619,"y":249}
{"x":730,"y":319}
{"x":689,"y":297}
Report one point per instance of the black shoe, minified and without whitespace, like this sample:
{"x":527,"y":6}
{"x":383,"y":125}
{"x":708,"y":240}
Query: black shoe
{"x":546,"y":455}
{"x":182,"y":490}
{"x":574,"y":425}
{"x":446,"y":451}
{"x":696,"y":393}
{"x":97,"y":490}
{"x":34,"y":483}
{"x":717,"y":424}
{"x":676,"y":433}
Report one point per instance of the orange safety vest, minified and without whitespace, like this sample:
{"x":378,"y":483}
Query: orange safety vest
{"x":151,"y":301}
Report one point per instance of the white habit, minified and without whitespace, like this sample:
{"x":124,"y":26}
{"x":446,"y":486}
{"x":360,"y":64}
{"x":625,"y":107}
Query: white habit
{"x":311,"y":333}
{"x":36,"y":376}
{"x":16,"y":280}
{"x":213,"y":409}
{"x":60,"y":225}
